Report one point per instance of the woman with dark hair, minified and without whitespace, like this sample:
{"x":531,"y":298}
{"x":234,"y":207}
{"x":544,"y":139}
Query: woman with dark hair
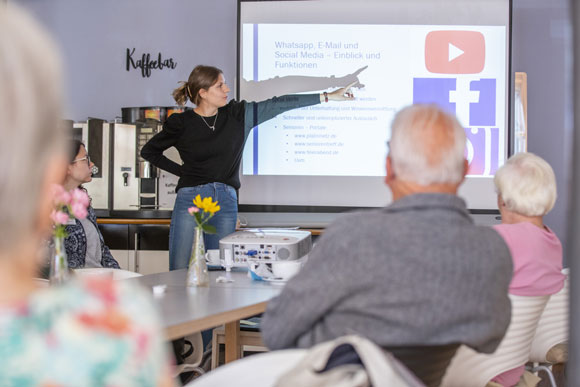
{"x":84,"y":242}
{"x":210,"y":140}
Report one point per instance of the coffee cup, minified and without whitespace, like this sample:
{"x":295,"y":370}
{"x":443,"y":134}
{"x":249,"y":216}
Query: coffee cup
{"x":212,"y":257}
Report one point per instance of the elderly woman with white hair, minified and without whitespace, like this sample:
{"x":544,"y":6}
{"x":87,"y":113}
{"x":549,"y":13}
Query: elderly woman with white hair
{"x":82,"y":333}
{"x":526,"y":191}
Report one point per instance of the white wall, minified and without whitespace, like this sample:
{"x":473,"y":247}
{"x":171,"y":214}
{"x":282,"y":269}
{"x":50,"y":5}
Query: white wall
{"x":95,"y":34}
{"x":542,"y":47}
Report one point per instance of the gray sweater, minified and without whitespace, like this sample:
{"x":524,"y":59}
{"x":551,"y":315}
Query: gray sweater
{"x":417,"y":272}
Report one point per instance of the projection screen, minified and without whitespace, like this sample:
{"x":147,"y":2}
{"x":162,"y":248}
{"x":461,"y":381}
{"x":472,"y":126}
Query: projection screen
{"x":331,"y":156}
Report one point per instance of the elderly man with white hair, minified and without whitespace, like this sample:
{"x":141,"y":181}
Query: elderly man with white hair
{"x":526,"y":189}
{"x":417,"y":277}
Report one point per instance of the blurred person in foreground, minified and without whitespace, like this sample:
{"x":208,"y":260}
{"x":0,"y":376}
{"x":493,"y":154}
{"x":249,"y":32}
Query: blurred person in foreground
{"x":526,"y":191}
{"x":92,"y":333}
{"x":417,"y":277}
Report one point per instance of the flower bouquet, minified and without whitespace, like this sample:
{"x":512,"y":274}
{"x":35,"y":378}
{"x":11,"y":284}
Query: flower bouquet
{"x":202,"y":211}
{"x":67,"y":207}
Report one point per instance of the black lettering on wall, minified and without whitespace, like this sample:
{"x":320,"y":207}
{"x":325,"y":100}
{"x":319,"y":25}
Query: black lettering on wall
{"x":146,"y":62}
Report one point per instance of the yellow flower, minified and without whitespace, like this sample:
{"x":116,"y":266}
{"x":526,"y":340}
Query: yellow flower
{"x":206,"y":204}
{"x":197,"y":201}
{"x":214,"y":209}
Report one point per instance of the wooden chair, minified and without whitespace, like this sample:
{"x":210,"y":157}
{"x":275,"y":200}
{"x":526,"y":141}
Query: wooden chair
{"x":249,"y":340}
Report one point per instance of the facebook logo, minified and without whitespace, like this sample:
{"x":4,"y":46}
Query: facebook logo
{"x":474,"y":103}
{"x":482,"y":113}
{"x":434,"y":90}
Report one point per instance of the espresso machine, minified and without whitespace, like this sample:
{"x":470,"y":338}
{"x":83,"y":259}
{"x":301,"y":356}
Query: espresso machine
{"x":136,"y":183}
{"x":96,"y":135}
{"x":134,"y":179}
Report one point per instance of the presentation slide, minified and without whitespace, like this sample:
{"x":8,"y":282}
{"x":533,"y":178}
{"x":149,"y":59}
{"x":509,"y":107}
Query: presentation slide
{"x":461,"y":68}
{"x":454,"y":54}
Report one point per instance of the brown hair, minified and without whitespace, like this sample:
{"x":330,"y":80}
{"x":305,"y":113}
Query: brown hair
{"x":74,"y":147}
{"x":202,"y":77}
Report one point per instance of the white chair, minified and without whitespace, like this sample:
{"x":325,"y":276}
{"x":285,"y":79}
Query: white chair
{"x":471,"y":369}
{"x":549,"y":345}
{"x":193,"y":361}
{"x":253,"y":371}
{"x":117,"y":274}
{"x":305,"y":367}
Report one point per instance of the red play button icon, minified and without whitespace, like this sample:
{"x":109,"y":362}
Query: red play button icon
{"x":455,"y":52}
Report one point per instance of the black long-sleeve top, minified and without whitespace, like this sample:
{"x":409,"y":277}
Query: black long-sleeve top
{"x":215,"y":155}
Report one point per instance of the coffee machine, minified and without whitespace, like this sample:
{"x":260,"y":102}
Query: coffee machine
{"x":136,"y":183}
{"x":96,"y":135}
{"x":134,"y":179}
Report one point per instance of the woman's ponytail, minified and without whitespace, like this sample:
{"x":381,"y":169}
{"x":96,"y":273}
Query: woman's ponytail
{"x":181,"y":95}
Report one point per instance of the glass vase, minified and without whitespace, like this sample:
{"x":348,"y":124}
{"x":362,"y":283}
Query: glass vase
{"x":197,"y":274}
{"x":59,"y":272}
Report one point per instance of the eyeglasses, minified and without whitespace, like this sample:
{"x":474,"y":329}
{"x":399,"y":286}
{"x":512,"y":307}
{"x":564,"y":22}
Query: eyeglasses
{"x":82,"y":159}
{"x":94,"y":169}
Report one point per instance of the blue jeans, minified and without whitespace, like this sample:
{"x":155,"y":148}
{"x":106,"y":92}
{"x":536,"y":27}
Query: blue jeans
{"x":183,"y":224}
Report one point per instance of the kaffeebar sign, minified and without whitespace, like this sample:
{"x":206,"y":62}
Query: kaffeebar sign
{"x":147,"y":62}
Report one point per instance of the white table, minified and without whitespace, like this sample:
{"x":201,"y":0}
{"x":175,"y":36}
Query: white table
{"x":186,"y":310}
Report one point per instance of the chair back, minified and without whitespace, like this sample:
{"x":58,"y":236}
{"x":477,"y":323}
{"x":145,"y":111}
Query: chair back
{"x":553,"y":325}
{"x":428,"y":363}
{"x":343,"y":362}
{"x":253,"y":371}
{"x":193,"y":361}
{"x":471,"y":369}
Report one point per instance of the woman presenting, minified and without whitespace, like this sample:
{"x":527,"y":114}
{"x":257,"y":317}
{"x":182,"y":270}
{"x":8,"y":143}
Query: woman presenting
{"x":210,"y":140}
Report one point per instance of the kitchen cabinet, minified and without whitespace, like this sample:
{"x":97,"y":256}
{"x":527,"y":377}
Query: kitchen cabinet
{"x":142,"y":248}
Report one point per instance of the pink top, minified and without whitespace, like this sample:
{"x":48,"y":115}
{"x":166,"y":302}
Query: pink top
{"x":537,"y":259}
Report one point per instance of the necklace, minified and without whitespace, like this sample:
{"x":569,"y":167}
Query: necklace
{"x":212,"y":127}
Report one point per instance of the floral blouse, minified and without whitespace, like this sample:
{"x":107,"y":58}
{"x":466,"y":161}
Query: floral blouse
{"x":94,"y":332}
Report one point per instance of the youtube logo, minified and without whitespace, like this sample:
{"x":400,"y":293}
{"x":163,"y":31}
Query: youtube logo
{"x":455,"y":52}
